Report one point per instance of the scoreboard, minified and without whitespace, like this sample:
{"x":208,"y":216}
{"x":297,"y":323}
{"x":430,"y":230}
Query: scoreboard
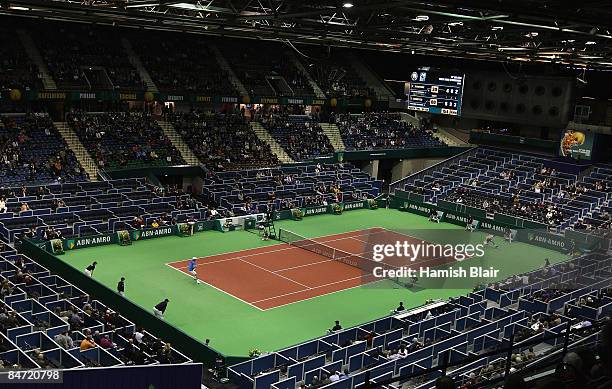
{"x":435,"y":92}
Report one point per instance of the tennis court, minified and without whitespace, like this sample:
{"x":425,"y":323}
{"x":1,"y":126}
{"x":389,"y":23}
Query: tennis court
{"x":208,"y":311}
{"x":299,"y":268}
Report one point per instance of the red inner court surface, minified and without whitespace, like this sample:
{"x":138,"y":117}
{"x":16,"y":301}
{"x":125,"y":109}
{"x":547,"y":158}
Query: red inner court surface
{"x":272,"y":276}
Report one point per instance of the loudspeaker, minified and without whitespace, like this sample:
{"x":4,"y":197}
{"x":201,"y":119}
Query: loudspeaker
{"x":541,"y":101}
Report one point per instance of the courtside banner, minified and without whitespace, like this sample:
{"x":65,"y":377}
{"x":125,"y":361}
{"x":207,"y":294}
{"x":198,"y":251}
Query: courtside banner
{"x":153,"y":233}
{"x":350,"y":205}
{"x":545,"y":239}
{"x":417,"y":208}
{"x":88,"y":241}
{"x":318,"y":210}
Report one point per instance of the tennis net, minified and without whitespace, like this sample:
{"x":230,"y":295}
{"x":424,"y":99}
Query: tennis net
{"x":355,"y":260}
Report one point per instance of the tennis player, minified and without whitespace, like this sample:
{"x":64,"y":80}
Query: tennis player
{"x":191,"y":267}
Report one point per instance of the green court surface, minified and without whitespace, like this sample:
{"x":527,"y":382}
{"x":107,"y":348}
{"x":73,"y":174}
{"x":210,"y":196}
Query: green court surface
{"x":235,"y":327}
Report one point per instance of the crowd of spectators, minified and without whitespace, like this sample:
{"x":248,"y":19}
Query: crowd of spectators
{"x":300,"y":136}
{"x":538,"y":210}
{"x":179,"y":63}
{"x":32,"y":151}
{"x":382,"y":131}
{"x":223,"y":141}
{"x":81,"y":56}
{"x":117,"y":140}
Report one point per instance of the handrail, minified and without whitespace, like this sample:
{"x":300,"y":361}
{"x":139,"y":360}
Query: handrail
{"x":103,"y":174}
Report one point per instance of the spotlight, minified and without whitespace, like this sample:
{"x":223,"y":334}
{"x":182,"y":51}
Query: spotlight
{"x":347,"y":5}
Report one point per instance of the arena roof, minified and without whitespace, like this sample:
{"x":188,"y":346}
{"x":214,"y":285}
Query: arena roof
{"x":542,"y":31}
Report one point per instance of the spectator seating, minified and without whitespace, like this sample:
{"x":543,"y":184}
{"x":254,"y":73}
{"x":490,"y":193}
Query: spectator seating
{"x":254,"y":191}
{"x":597,"y":181}
{"x":479,"y":323}
{"x":86,"y":57}
{"x":118,"y":140}
{"x":38,"y":310}
{"x":91,"y":208}
{"x":300,"y":136}
{"x":33,"y":152}
{"x":383,"y":131}
{"x":180,"y":63}
{"x":16,"y":69}
{"x":264,"y":70}
{"x":223,"y":141}
{"x":520,"y":185}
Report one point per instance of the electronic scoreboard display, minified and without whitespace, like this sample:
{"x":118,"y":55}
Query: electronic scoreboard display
{"x":435,"y":91}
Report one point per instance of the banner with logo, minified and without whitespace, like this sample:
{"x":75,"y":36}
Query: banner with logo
{"x":153,"y":233}
{"x":576,"y":144}
{"x":417,"y":208}
{"x":318,"y":210}
{"x":350,"y":205}
{"x":543,"y":239}
{"x":88,"y":241}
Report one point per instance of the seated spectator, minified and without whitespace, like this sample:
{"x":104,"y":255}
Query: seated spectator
{"x":118,"y":140}
{"x":87,"y":343}
{"x":383,"y":131}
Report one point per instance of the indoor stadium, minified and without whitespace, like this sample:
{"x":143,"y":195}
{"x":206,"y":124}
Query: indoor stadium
{"x":273,"y":194}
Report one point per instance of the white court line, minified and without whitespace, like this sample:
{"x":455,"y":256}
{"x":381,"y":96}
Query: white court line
{"x":367,"y":232}
{"x":214,"y":287}
{"x":306,"y":290}
{"x":268,"y":251}
{"x":279,"y":244}
{"x":325,"y":294}
{"x":278,"y":275}
{"x":304,"y":265}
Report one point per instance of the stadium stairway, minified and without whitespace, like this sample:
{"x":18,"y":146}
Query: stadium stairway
{"x":179,"y":143}
{"x":315,"y":87}
{"x":228,"y":69}
{"x":372,"y":80}
{"x":135,"y":61}
{"x":79,"y":150}
{"x":276,"y":148}
{"x":36,"y":58}
{"x":333,"y":133}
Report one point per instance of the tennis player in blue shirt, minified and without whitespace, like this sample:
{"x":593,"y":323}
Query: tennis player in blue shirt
{"x":192,"y":269}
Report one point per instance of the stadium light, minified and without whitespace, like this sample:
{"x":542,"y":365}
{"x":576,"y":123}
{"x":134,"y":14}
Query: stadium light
{"x":347,"y":5}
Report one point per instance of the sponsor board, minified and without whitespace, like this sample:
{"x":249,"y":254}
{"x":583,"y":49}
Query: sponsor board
{"x":153,"y":233}
{"x":419,"y":209}
{"x":354,"y":205}
{"x":543,"y":239}
{"x":314,"y":210}
{"x":98,"y":240}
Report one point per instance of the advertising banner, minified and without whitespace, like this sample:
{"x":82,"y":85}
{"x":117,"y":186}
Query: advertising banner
{"x":88,"y":241}
{"x":576,"y":144}
{"x":153,"y":233}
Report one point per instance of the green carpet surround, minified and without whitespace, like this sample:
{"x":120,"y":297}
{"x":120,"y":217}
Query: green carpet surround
{"x":234,"y":327}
